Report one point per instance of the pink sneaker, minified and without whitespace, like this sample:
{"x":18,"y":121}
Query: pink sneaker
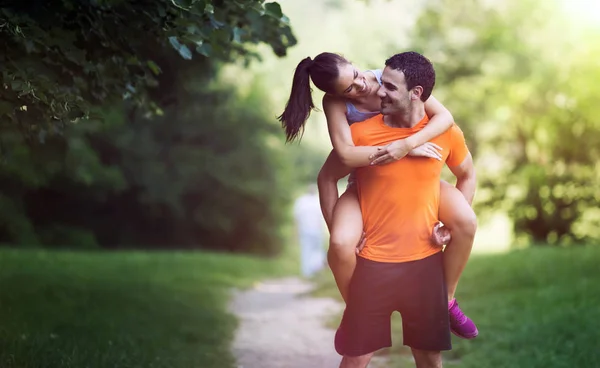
{"x":460,"y":324}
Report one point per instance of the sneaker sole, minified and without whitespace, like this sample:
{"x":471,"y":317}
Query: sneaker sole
{"x":470,"y":337}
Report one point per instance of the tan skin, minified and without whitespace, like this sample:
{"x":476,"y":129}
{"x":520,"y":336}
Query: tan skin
{"x":343,"y":216}
{"x":402,"y":107}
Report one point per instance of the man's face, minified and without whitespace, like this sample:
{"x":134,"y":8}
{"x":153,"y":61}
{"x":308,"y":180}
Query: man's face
{"x":395,"y":98}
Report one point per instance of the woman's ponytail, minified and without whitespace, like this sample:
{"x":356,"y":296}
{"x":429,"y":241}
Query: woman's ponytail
{"x":300,"y":104}
{"x":323,"y":71}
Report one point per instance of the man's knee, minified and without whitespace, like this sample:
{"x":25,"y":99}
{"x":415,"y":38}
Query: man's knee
{"x":427,"y":358}
{"x":356,"y":362}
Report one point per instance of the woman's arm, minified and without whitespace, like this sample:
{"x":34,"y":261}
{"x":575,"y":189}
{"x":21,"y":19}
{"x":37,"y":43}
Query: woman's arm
{"x":341,"y":135}
{"x":440,"y":120}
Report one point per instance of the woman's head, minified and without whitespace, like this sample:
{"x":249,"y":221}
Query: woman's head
{"x":324,"y":70}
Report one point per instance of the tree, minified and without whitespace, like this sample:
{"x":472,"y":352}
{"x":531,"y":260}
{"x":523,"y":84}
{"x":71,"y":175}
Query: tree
{"x":525,"y":107}
{"x":130,"y":140}
{"x":59,"y":59}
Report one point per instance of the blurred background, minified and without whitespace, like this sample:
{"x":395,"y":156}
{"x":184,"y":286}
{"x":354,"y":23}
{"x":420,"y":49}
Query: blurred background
{"x":211,"y":170}
{"x":138,"y":126}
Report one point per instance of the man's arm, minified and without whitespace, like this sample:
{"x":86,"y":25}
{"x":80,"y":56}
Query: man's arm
{"x":466,"y":179}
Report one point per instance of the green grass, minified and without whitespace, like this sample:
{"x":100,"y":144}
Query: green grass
{"x":538,"y":307}
{"x":121,"y":309}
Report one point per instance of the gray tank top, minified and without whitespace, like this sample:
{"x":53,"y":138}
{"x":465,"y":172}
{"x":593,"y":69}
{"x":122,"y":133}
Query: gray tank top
{"x":352,"y":113}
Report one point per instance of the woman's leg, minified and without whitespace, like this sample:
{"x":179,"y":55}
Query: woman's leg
{"x":456,"y":213}
{"x":344,"y":219}
{"x":346,"y":231}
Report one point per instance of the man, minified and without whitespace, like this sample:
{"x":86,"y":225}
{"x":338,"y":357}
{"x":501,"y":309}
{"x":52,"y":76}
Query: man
{"x":399,"y":269}
{"x":310,"y":228}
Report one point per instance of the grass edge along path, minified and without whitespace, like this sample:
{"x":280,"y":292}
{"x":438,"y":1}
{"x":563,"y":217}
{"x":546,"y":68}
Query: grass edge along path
{"x":535,"y":307}
{"x":122,"y":309}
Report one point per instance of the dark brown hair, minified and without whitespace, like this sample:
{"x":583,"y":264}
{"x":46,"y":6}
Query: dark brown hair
{"x":417,"y":69}
{"x":323,"y":71}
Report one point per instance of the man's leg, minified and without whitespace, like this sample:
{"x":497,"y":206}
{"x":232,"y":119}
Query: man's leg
{"x":427,"y":358}
{"x":424,"y":308}
{"x":366,"y":325}
{"x":356,"y":362}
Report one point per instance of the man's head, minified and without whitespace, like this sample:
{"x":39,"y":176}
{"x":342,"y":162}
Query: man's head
{"x":407,"y":80}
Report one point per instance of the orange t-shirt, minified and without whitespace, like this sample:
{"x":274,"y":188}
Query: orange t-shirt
{"x":400,"y":200}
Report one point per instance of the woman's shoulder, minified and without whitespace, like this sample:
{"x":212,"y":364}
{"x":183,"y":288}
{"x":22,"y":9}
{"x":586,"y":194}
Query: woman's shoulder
{"x":377,"y":73}
{"x":334,"y":102}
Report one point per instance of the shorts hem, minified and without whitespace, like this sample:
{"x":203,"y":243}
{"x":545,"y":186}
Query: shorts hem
{"x":428,"y":348}
{"x":362,"y":352}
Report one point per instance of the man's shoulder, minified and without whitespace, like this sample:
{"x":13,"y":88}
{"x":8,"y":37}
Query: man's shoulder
{"x":365,"y":124}
{"x":452,"y":133}
{"x":455,"y":129}
{"x":456,"y":135}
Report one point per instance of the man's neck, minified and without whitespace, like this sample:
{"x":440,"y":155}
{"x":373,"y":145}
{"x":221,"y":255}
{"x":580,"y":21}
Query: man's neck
{"x":408,"y":119}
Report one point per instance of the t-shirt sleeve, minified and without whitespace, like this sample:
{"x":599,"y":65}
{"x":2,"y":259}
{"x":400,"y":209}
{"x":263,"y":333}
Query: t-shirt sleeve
{"x":458,"y":147}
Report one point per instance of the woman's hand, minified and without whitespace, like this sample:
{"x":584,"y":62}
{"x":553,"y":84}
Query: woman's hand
{"x":361,"y":243}
{"x":440,"y":235}
{"x":394,"y":151}
{"x":390,"y":153}
{"x":428,"y":149}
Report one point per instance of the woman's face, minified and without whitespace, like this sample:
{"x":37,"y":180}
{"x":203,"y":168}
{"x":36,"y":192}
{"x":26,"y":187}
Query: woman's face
{"x":351,"y":82}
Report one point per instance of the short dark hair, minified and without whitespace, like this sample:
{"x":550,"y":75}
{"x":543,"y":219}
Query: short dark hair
{"x":417,"y":69}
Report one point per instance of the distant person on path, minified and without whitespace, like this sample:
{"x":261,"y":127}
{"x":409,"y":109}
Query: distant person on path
{"x":398,"y":268}
{"x":310,"y":229}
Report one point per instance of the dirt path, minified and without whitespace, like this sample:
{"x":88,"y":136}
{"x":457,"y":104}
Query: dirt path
{"x":282,"y":327}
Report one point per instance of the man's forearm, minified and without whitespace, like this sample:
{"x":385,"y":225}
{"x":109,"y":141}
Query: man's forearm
{"x":466,"y":185}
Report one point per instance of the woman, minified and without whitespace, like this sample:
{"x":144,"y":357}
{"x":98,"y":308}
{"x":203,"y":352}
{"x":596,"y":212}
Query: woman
{"x":351,"y":96}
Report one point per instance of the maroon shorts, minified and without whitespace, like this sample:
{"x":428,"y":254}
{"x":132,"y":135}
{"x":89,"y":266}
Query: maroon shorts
{"x":416,"y":289}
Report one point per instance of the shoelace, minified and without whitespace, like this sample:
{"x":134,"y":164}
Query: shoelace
{"x":458,"y":315}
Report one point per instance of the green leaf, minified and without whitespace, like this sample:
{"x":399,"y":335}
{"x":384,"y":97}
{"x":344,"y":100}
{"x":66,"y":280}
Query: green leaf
{"x":274,"y":10}
{"x":204,"y":49}
{"x":154,"y":67}
{"x":185,"y":4}
{"x":216,"y":24}
{"x":16,"y":85}
{"x":183,"y":50}
{"x":237,"y":34}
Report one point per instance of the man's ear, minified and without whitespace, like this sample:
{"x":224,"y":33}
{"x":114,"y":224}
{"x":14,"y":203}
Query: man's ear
{"x":416,"y":92}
